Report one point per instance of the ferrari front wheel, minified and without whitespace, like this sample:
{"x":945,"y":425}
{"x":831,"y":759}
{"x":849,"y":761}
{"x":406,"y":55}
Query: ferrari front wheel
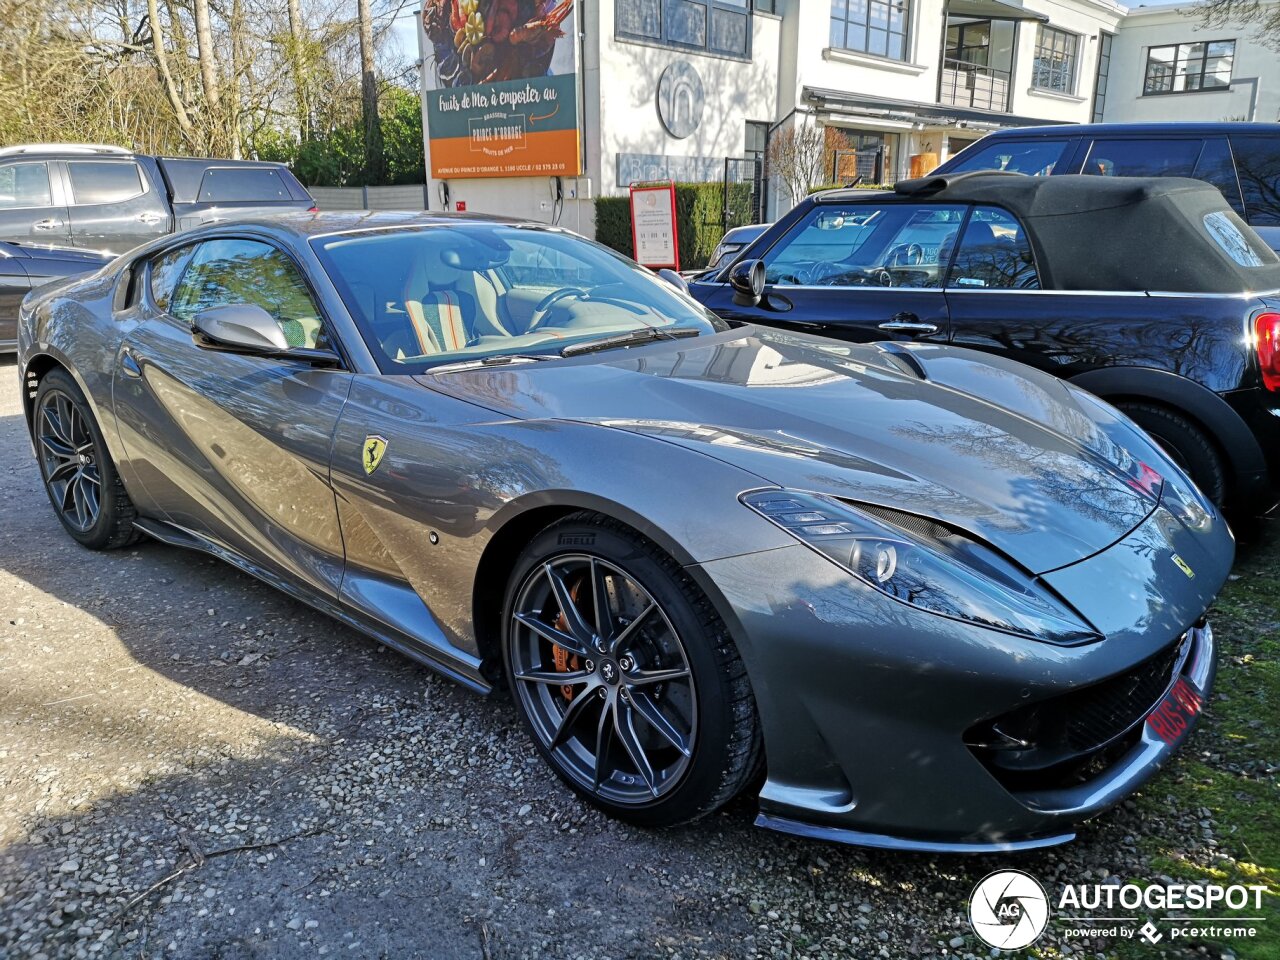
{"x":625,"y":675}
{"x":78,"y":473}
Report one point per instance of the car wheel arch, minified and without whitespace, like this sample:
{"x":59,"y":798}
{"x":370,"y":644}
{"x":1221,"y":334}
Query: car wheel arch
{"x":518,"y":522}
{"x":1242,"y":454}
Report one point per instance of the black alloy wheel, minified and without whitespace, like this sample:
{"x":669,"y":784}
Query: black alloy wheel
{"x":624,"y":675}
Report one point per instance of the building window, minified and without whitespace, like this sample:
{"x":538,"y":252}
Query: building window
{"x":877,"y":27}
{"x":1104,"y":74}
{"x":721,"y":27}
{"x":756,"y":140}
{"x":1055,"y":61}
{"x":1188,"y":67}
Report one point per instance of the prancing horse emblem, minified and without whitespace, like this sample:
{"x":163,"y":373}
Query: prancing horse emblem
{"x":1184,"y":567}
{"x":374,"y":448}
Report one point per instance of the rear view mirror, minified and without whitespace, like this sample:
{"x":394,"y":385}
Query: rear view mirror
{"x":673,"y":278}
{"x":747,"y":280}
{"x":241,"y":326}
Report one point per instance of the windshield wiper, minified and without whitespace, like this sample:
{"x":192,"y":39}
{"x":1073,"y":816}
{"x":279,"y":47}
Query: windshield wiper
{"x":495,"y":361}
{"x":630,"y":339}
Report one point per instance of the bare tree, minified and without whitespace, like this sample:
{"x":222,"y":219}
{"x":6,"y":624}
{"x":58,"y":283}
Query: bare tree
{"x":802,"y":154}
{"x":1264,"y":15}
{"x":369,"y":94}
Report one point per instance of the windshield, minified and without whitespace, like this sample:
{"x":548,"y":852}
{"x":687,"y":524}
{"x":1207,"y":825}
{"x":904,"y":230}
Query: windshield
{"x":431,"y":295}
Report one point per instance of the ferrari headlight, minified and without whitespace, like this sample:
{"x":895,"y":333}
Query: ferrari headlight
{"x":924,"y":564}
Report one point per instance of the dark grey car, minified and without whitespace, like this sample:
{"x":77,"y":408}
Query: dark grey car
{"x":941,"y":600}
{"x":24,"y":267}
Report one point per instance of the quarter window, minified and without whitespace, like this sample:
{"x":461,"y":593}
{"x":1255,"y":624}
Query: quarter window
{"x":1189,"y":67}
{"x":104,"y":181}
{"x":1258,"y":164}
{"x":248,"y":271}
{"x":714,"y":26}
{"x":864,"y":245}
{"x":24,"y":185}
{"x":994,"y":254}
{"x":1056,"y":53}
{"x":877,"y":27}
{"x":242,"y":184}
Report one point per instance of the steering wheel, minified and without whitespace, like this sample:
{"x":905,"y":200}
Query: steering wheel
{"x":555,"y":296}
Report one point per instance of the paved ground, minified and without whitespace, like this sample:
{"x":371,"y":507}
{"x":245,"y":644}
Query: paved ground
{"x":192,"y":765}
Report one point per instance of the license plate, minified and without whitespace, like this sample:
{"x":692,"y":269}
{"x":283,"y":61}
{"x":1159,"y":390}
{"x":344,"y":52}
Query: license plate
{"x":1173,"y":715}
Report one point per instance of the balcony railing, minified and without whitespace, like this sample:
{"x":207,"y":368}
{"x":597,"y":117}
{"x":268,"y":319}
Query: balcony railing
{"x":965,"y":84}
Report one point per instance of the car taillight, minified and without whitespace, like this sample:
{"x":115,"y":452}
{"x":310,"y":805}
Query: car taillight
{"x":1267,"y":341}
{"x":313,"y":209}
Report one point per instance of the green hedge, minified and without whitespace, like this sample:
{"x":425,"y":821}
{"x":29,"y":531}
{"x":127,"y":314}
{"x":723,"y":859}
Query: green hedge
{"x":699,"y":219}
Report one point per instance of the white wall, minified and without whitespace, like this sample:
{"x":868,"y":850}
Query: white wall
{"x":626,"y":90}
{"x":1086,"y":19}
{"x":1254,"y":93}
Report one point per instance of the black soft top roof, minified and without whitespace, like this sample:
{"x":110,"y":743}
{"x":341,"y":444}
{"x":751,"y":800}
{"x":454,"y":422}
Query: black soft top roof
{"x":1118,"y":233}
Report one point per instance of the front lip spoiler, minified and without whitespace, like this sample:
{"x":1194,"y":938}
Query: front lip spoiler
{"x":1058,"y":807}
{"x":881,"y":841}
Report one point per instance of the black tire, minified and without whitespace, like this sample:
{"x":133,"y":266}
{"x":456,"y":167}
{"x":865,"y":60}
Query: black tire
{"x":712,"y":699}
{"x":109,"y":524}
{"x":1186,"y":443}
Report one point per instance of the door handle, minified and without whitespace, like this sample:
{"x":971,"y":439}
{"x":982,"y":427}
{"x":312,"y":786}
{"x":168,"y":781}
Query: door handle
{"x":149,"y":218}
{"x":129,"y":364}
{"x":908,"y":323}
{"x":48,"y":223}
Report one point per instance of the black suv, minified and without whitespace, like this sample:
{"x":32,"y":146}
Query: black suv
{"x":1240,"y":159}
{"x":109,"y":199}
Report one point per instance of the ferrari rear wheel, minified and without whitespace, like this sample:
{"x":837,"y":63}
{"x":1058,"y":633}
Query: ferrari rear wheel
{"x":78,"y":473}
{"x":625,"y":675}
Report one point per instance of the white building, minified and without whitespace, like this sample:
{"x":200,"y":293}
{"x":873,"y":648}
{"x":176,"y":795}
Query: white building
{"x":1166,"y":65}
{"x":687,"y":89}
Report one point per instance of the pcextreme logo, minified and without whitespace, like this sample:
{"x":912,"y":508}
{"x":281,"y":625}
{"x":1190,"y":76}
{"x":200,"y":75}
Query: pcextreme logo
{"x":1009,"y":909}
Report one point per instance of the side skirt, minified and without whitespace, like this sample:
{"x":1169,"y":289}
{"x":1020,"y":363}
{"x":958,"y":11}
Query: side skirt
{"x":464,"y":672}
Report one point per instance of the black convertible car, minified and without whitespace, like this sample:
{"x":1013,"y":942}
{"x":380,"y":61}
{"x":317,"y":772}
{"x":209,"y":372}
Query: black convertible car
{"x":1148,"y":292}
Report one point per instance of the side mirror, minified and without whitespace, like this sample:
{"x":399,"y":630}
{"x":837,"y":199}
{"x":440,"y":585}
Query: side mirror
{"x":673,"y":278}
{"x":747,"y":280}
{"x":241,"y":326}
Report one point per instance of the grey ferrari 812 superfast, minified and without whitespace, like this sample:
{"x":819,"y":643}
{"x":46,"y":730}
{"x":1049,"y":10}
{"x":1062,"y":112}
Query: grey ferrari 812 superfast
{"x":912,"y":595}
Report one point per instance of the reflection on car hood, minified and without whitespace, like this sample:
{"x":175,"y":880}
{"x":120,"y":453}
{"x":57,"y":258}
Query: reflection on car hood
{"x":988,"y":446}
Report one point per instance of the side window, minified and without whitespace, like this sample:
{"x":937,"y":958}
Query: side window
{"x":1036,"y":157}
{"x":865,"y":245}
{"x":1143,"y":158}
{"x":1258,"y":164}
{"x":1217,"y":167}
{"x":242,"y":184}
{"x":994,"y":254}
{"x":104,"y":181}
{"x":166,"y":270}
{"x":249,"y":271}
{"x":24,"y":185}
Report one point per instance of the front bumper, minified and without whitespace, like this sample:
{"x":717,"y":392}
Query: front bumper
{"x":865,"y":703}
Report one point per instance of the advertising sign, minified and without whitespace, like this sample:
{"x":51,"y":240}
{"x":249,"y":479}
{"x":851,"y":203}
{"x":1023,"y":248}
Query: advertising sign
{"x":653,"y":225}
{"x":502,"y":97}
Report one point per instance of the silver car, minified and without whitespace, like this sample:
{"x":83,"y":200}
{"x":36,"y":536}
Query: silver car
{"x":914,"y":596}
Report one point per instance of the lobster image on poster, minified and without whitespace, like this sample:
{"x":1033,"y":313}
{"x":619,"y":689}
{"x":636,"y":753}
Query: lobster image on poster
{"x":504,"y":101}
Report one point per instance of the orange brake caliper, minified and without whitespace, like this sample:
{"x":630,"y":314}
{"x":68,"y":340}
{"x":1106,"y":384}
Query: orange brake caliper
{"x":563,"y":659}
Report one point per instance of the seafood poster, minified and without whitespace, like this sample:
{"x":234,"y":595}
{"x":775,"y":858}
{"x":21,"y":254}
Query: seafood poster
{"x":505,"y":97}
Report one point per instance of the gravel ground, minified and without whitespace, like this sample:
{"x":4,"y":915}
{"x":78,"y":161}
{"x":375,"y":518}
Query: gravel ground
{"x":192,"y":765}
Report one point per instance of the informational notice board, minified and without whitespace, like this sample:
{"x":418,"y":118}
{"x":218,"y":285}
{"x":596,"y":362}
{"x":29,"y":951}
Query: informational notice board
{"x":653,"y":225}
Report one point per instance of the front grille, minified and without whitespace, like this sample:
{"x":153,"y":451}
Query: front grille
{"x":1062,"y":739}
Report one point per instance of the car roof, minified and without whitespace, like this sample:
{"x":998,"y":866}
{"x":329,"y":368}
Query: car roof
{"x":328,"y":222}
{"x":1167,"y":128}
